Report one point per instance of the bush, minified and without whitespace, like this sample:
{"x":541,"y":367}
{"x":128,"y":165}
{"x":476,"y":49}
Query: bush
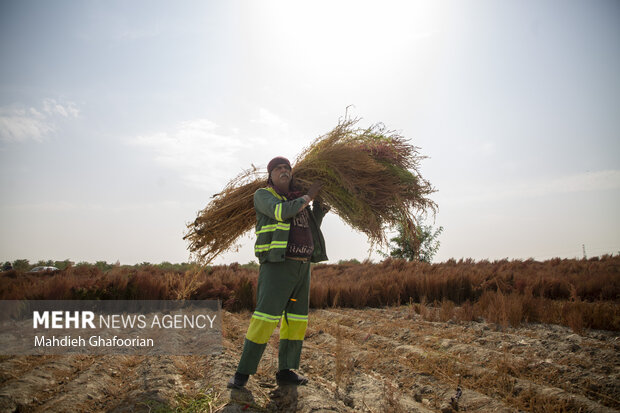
{"x":578,"y":293}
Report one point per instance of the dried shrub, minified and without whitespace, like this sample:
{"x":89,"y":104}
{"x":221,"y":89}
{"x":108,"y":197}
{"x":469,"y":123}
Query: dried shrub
{"x":514,"y":309}
{"x":492,"y":308}
{"x":243,"y":297}
{"x":573,"y":317}
{"x":503,"y":292}
{"x":226,"y":218}
{"x":425,"y":311}
{"x":532,"y":307}
{"x":183,"y":286}
{"x":466,"y":312}
{"x":446,"y":311}
{"x":370,"y":179}
{"x":603,"y":315}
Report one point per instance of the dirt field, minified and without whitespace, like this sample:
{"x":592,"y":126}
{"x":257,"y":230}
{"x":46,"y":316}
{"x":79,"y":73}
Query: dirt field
{"x":371,"y":360}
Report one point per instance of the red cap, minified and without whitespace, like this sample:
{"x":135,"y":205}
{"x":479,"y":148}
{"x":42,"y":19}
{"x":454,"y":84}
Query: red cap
{"x":278,"y":160}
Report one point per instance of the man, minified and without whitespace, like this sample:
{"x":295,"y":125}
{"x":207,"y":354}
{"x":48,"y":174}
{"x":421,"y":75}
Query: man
{"x":288,"y":238}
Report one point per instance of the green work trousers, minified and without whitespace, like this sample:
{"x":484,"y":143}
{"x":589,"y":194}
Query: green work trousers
{"x":283,"y":293}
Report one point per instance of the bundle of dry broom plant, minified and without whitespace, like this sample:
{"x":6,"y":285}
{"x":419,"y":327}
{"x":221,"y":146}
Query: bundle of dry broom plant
{"x":370,"y":178}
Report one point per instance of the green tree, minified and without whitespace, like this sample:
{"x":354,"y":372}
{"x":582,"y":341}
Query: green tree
{"x":251,"y":265}
{"x":43,"y":263}
{"x":21,"y":265}
{"x":422,"y":249}
{"x":103,"y":266}
{"x":351,"y":261}
{"x":63,"y":265}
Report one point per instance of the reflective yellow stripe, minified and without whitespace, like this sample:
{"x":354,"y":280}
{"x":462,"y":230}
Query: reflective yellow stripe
{"x":266,"y":317}
{"x":266,"y":228}
{"x":278,"y":209}
{"x":267,"y":247}
{"x":278,"y":212}
{"x":273,"y":227}
{"x":296,"y":316}
{"x":293,"y":329}
{"x":260,"y":330}
{"x":274,"y":193}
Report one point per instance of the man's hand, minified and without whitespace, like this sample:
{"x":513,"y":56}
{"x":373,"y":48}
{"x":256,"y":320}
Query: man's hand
{"x":314,"y":189}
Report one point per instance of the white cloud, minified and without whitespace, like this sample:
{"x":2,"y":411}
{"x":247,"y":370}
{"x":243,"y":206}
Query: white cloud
{"x":52,"y":108}
{"x":268,"y":118}
{"x":18,"y":124}
{"x":21,"y":125}
{"x":196,"y":150}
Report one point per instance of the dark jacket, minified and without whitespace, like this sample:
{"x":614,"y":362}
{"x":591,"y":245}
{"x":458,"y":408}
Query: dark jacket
{"x":273,"y":223}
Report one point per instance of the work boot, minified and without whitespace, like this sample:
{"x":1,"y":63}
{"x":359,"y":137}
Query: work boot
{"x":238,"y":381}
{"x":290,"y":377}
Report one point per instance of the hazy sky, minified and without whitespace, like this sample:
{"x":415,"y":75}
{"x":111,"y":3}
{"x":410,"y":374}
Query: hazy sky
{"x":119,"y":120}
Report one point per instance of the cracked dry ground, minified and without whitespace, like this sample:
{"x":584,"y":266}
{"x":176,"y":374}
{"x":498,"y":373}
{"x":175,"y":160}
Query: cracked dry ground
{"x":371,"y":360}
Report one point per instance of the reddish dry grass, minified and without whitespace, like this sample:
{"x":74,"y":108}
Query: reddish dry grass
{"x":577,"y":293}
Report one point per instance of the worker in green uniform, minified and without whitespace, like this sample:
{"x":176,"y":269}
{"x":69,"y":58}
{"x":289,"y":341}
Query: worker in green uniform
{"x":288,"y":239}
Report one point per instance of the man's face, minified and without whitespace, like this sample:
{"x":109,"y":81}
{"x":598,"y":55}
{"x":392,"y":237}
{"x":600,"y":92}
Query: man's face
{"x":281,"y":175}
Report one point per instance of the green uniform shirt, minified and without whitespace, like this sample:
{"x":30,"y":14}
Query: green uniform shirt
{"x":273,"y":223}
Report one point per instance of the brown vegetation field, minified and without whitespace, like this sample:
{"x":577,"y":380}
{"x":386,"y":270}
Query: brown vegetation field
{"x":388,"y":337}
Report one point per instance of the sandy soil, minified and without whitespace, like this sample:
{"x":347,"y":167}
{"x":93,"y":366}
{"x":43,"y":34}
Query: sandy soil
{"x":371,"y":360}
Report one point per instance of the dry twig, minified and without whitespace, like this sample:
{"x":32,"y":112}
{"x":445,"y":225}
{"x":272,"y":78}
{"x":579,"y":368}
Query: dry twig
{"x":370,"y":178}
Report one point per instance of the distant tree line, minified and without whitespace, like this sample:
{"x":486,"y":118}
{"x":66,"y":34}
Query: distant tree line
{"x":23,"y":265}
